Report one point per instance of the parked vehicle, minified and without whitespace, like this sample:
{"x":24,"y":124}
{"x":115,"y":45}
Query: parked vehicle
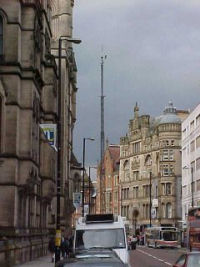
{"x":193,"y":228}
{"x":99,"y":232}
{"x":190,"y":259}
{"x":158,"y":237}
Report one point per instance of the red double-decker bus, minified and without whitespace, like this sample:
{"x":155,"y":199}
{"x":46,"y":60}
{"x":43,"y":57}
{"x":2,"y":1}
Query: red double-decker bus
{"x":193,"y":229}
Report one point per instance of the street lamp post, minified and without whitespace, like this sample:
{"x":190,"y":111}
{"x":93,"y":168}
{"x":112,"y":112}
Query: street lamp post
{"x":83,"y":181}
{"x":59,"y":143}
{"x":150,"y":177}
{"x":150,"y":185}
{"x":192,"y":189}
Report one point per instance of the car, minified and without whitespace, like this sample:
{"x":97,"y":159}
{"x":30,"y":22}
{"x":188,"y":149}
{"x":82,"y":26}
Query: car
{"x":188,"y":259}
{"x":96,"y":258}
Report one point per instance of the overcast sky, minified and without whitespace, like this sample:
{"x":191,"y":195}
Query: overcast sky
{"x":153,"y":56}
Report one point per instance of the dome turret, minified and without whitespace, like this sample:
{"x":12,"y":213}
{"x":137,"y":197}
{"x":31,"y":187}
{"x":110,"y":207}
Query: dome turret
{"x":169,"y":115}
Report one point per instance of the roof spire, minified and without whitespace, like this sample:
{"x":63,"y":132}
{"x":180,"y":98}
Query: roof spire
{"x":136,"y":110}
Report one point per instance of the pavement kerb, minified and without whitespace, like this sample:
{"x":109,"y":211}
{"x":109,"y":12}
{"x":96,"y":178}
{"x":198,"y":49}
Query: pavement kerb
{"x":39,"y":262}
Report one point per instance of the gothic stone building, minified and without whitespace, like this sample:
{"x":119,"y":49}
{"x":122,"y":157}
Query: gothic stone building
{"x":150,"y":158}
{"x":29,"y":98}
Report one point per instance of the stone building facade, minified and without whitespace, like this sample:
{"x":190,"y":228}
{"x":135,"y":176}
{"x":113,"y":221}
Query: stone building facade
{"x":62,"y":26}
{"x":150,"y":158}
{"x":190,"y":161}
{"x":28,"y":98}
{"x":110,"y":181}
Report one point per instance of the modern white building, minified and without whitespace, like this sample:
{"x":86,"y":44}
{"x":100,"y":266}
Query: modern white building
{"x":191,"y":161}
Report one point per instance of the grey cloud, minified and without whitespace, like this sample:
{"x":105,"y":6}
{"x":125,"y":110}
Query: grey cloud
{"x":153,"y":56}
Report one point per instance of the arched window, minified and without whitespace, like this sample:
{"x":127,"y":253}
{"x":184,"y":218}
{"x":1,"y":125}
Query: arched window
{"x":1,"y":36}
{"x":148,"y":160}
{"x":169,"y":210}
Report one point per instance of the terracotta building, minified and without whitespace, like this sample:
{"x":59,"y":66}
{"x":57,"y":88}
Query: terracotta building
{"x":109,"y":182}
{"x":150,"y":158}
{"x":29,"y":99}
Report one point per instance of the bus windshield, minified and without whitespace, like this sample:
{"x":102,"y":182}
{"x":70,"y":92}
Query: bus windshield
{"x":100,"y":238}
{"x":169,"y":236}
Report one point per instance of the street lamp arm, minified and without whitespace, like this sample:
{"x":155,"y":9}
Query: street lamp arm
{"x":70,"y":40}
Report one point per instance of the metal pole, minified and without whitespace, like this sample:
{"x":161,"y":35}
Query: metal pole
{"x":58,"y":231}
{"x":150,"y":201}
{"x":102,"y":111}
{"x":192,"y":189}
{"x":83,"y":181}
{"x":89,"y":190}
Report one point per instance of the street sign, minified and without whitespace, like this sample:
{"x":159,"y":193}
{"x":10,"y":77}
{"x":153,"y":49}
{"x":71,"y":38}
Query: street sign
{"x":50,"y":133}
{"x":77,"y":200}
{"x":155,"y":203}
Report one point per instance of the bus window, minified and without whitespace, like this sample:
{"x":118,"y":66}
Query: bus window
{"x":169,"y":236}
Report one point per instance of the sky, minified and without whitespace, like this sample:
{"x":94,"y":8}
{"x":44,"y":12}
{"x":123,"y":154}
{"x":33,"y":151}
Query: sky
{"x":153,"y":56}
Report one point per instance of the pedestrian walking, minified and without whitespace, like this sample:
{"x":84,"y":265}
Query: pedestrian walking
{"x":65,"y":248}
{"x":51,"y":248}
{"x":133,"y":242}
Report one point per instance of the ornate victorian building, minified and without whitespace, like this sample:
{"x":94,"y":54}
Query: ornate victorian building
{"x":150,"y":169}
{"x":29,"y":98}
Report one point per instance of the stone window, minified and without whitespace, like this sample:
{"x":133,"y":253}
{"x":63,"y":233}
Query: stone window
{"x":125,"y":211}
{"x":191,"y":126}
{"x":135,"y":192}
{"x":168,"y":210}
{"x":168,"y":188}
{"x":198,"y":141}
{"x":198,"y":120}
{"x":198,"y":164}
{"x":163,"y":210}
{"x":1,"y":36}
{"x":198,"y":185}
{"x":167,"y":154}
{"x":135,"y":175}
{"x":167,"y":170}
{"x":192,"y":146}
{"x":125,"y":193}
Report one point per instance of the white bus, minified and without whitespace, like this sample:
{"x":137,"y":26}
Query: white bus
{"x":159,"y":237}
{"x":101,"y":231}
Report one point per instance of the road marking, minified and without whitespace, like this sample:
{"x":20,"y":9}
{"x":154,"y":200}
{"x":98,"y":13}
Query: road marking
{"x":165,"y":262}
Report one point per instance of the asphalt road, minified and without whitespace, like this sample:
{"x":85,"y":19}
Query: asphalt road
{"x":151,"y":257}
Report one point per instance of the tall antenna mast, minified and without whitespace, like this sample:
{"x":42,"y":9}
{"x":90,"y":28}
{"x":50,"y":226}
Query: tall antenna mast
{"x":102,"y":138}
{"x":102,"y":109}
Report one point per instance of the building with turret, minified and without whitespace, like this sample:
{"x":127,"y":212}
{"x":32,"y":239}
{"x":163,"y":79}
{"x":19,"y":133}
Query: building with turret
{"x":150,"y":169}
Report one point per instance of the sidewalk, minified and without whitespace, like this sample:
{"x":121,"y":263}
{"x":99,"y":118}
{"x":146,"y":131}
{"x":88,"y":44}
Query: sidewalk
{"x":40,"y":262}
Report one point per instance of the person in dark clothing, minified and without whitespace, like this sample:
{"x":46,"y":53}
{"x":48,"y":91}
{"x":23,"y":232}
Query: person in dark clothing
{"x":51,"y":248}
{"x":71,"y":240}
{"x":65,"y":248}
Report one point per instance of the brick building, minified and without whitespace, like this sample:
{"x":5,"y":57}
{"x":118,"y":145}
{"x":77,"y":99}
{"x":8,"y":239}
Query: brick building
{"x":109,"y":181}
